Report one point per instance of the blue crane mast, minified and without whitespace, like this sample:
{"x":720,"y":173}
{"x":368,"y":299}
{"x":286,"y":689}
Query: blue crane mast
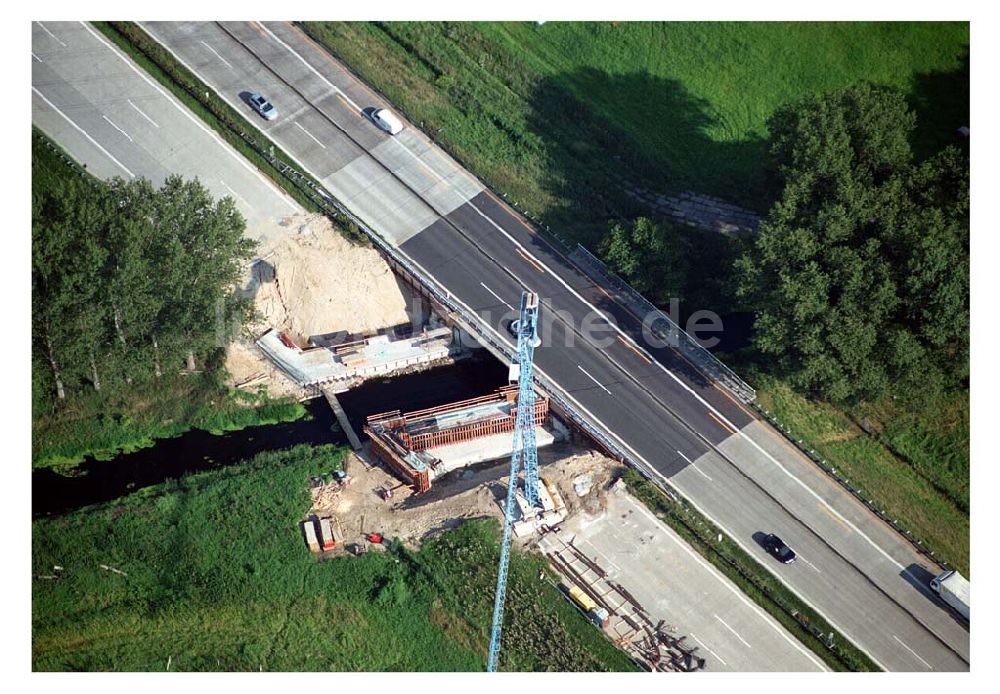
{"x":524,"y":455}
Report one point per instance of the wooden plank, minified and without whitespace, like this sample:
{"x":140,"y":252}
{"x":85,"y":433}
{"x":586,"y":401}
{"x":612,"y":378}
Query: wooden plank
{"x":342,"y":420}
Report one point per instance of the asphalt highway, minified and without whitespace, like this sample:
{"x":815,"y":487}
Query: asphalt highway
{"x":861,"y":575}
{"x":118,"y":121}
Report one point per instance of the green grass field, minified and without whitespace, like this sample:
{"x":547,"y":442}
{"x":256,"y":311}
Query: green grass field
{"x":553,"y":115}
{"x":557,"y":116}
{"x":219,"y":578}
{"x":918,"y":472}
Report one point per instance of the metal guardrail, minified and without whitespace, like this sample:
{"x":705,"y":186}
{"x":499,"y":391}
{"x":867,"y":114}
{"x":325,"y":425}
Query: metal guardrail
{"x":845,"y":483}
{"x":324,"y":200}
{"x":657,"y":322}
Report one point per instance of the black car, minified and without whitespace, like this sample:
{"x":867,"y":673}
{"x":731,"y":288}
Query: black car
{"x":778,"y":549}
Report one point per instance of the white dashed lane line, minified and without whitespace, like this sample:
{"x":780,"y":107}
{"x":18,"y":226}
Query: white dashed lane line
{"x":92,"y":141}
{"x":112,"y":124}
{"x":310,"y":135}
{"x":46,"y":30}
{"x":735,"y":633}
{"x":142,"y":113}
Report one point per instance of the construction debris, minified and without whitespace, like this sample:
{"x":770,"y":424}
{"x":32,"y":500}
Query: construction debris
{"x":113,"y":570}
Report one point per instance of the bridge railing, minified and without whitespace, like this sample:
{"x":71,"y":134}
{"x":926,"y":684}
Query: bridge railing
{"x":660,"y":324}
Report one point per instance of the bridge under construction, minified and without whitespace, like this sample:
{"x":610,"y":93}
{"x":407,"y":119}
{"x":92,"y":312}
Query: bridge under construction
{"x":424,"y":444}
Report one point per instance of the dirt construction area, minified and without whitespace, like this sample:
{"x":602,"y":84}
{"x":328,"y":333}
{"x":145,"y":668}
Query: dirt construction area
{"x":310,"y":280}
{"x":470,"y":493}
{"x":665,"y":601}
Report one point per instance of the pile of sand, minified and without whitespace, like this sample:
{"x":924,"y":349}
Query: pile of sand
{"x":312,"y":281}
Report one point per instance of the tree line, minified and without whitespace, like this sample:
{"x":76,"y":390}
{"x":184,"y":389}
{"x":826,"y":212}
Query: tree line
{"x":859,"y":274}
{"x":129,"y":282}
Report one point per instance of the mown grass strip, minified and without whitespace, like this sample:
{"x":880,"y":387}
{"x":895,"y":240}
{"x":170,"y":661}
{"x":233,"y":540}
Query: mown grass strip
{"x":754,"y":580}
{"x":918,"y":505}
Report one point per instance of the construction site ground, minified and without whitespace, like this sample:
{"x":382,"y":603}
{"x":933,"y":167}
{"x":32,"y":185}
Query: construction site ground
{"x":310,"y":280}
{"x":648,"y":576}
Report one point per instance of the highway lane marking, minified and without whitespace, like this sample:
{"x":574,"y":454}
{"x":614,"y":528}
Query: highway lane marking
{"x":343,"y":98}
{"x":722,"y":424}
{"x":835,"y":519}
{"x":599,"y":384}
{"x":313,"y":137}
{"x":46,"y":30}
{"x":142,"y":113}
{"x":236,"y":195}
{"x":336,"y":90}
{"x":112,"y":123}
{"x":694,"y":467}
{"x":228,"y":64}
{"x":724,"y":391}
{"x":913,"y":652}
{"x":323,"y":53}
{"x":735,"y":633}
{"x":578,"y":296}
{"x":204,"y":128}
{"x":92,"y":141}
{"x":420,"y":161}
{"x":725,"y":581}
{"x":632,"y":347}
{"x":36,"y":57}
{"x":560,"y":279}
{"x":717,"y":656}
{"x":686,"y":387}
{"x":781,"y":467}
{"x":753,"y":443}
{"x":809,"y":563}
{"x":528,"y":258}
{"x":497,"y":297}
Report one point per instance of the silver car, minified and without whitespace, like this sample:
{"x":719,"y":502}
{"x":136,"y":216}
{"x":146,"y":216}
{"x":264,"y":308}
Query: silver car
{"x":263,"y":107}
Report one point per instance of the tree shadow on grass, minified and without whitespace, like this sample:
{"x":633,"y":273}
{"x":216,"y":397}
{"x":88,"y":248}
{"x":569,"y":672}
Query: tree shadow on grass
{"x":941,"y":102}
{"x":656,"y":138}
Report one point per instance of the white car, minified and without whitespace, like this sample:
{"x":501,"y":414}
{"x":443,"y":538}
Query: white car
{"x":263,"y":107}
{"x":387,"y":120}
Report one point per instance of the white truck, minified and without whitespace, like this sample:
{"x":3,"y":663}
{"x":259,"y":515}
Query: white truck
{"x":954,"y":590}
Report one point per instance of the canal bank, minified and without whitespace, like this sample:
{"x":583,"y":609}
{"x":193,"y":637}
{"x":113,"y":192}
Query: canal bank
{"x":95,"y":481}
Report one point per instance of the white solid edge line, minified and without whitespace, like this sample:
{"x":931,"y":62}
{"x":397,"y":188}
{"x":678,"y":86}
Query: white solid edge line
{"x":92,"y":141}
{"x":733,"y":589}
{"x":595,"y":419}
{"x":339,"y":91}
{"x":335,"y":88}
{"x":712,"y":409}
{"x":238,"y":157}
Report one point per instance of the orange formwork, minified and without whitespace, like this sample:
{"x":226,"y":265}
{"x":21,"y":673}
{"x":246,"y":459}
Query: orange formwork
{"x":397,"y":436}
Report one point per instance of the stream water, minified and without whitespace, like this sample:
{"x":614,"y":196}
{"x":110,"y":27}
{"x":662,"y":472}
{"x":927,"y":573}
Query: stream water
{"x":95,"y":481}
